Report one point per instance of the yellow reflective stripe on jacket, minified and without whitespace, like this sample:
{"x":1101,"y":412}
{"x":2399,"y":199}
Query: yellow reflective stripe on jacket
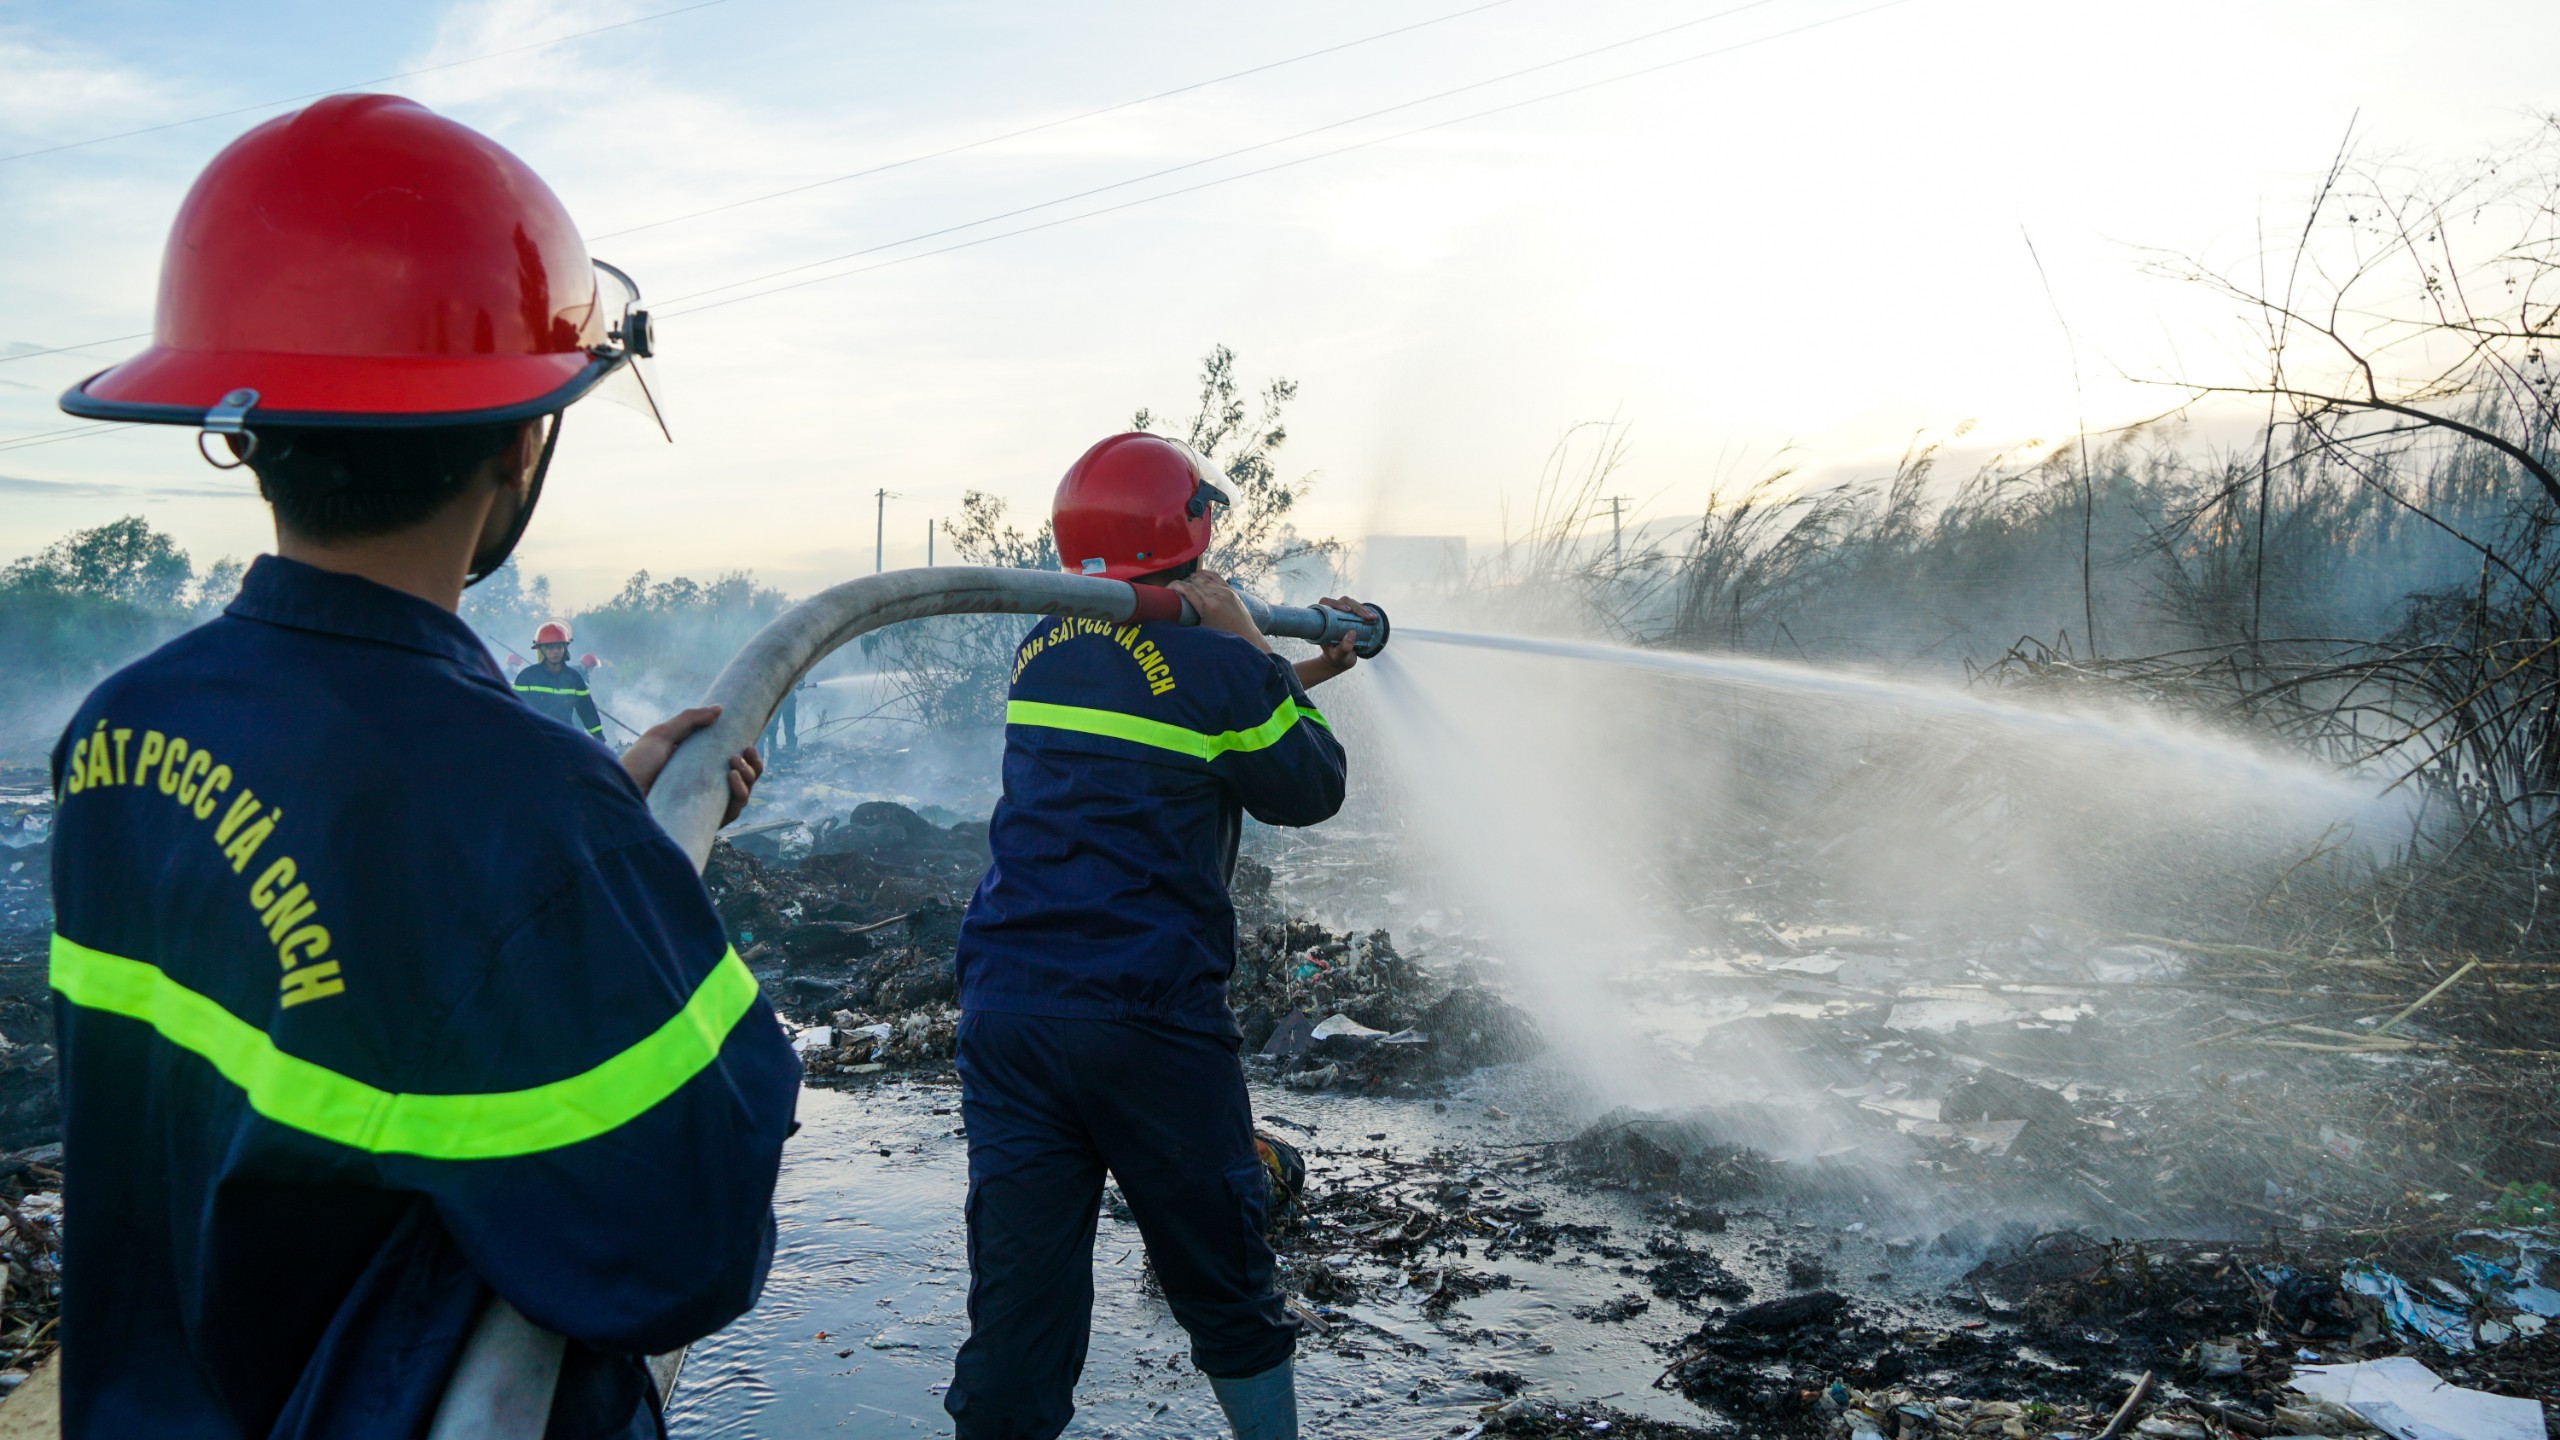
{"x":550,"y":690}
{"x":319,"y":1101}
{"x":1196,"y":743}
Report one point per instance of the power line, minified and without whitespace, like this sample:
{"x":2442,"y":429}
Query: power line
{"x":1227,"y":154}
{"x":794,"y":190}
{"x":360,"y":84}
{"x":48,"y":437}
{"x":1051,"y":124}
{"x":67,"y":349}
{"x":1300,"y":160}
{"x":1157,"y":174}
{"x":1488,"y":112}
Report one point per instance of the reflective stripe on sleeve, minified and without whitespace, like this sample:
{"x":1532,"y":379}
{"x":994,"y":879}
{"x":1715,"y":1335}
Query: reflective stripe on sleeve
{"x":548,"y":690}
{"x":1137,"y":729}
{"x":319,"y":1101}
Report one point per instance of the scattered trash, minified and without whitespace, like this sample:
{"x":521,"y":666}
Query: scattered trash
{"x":2513,"y":1279}
{"x":1389,"y":1021}
{"x":2443,"y":1323}
{"x":1344,"y":1025}
{"x":2403,"y":1398}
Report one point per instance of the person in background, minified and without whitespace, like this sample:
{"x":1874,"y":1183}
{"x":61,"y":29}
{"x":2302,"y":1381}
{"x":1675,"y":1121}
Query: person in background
{"x":382,"y":1000}
{"x":1095,"y":1034}
{"x":556,"y":688}
{"x":782,"y":732}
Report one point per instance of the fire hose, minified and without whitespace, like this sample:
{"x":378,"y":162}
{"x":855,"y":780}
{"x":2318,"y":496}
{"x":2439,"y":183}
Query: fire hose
{"x":502,"y":1385}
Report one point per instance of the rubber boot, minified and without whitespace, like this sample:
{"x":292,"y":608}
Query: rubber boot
{"x":1261,"y":1407}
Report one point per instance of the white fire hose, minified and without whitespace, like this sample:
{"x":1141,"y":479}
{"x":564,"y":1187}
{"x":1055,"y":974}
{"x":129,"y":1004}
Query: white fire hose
{"x":502,"y":1386}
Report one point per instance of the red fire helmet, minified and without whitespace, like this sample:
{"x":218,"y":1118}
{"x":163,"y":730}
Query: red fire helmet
{"x":367,"y":262}
{"x":589,"y":661}
{"x":551,"y":633}
{"x":1134,"y":505}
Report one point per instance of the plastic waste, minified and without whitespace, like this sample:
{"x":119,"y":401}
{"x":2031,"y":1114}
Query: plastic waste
{"x":2405,"y":1399}
{"x":2512,"y":1277}
{"x":2446,"y":1323}
{"x":1291,"y":1038}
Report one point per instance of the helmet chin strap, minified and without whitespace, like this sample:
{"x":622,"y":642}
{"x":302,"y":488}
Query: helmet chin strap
{"x":486,"y":562}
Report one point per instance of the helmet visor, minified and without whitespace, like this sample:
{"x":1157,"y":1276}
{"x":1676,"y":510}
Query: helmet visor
{"x":631,"y":337}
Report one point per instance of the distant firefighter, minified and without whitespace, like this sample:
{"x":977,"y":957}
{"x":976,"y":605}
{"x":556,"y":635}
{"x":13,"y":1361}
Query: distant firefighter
{"x":557,"y":688}
{"x":785,"y":724}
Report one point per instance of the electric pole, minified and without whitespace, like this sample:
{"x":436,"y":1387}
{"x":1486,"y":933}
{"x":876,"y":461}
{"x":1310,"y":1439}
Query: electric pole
{"x":928,"y":544}
{"x":879,"y":529}
{"x":1617,"y":551}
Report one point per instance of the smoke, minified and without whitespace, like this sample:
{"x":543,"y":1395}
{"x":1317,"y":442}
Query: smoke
{"x":1624,"y":829}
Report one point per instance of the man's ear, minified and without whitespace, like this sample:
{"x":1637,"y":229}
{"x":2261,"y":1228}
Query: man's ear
{"x":515,"y":466}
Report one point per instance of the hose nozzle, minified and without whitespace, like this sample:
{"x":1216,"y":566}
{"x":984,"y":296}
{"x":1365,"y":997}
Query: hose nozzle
{"x":1319,"y":624}
{"x":1323,"y":625}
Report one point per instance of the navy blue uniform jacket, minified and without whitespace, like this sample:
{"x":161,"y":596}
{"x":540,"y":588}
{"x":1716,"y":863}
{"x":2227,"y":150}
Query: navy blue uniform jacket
{"x":1131,"y":754}
{"x":562,"y":695}
{"x":379,"y":992}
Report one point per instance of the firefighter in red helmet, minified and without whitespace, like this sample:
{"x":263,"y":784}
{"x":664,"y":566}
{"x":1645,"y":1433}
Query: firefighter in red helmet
{"x":555,"y":687}
{"x":1095,"y":1034}
{"x":384,"y":1001}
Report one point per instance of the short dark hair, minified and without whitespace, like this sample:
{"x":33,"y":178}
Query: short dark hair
{"x":333,"y":484}
{"x":1183,"y":571}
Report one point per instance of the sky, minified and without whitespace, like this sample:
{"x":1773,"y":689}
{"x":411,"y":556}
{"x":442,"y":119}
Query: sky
{"x":1802,"y":236}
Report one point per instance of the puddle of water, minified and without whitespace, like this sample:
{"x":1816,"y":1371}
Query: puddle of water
{"x":872,"y":1254}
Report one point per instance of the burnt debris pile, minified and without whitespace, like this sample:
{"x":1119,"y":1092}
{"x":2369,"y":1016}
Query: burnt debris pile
{"x":2070,"y":1335}
{"x":850,"y":923}
{"x":1684,"y":1158}
{"x":1324,"y":1010}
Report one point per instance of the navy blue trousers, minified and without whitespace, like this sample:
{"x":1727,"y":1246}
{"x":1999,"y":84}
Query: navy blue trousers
{"x":1051,"y":1105}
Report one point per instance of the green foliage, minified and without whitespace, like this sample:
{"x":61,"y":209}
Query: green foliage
{"x":220,"y":584}
{"x":123,"y":562}
{"x":89,"y":602}
{"x":664,"y":640}
{"x":956,"y":666}
{"x":980,"y":537}
{"x":507,"y":608}
{"x":2534,"y":1204}
{"x":1254,"y":537}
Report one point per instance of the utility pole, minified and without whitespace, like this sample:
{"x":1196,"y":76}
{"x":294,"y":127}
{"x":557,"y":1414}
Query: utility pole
{"x":1617,"y":551}
{"x":928,"y":544}
{"x":879,"y":529}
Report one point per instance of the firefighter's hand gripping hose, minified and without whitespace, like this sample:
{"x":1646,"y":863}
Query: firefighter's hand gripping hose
{"x":502,"y":1387}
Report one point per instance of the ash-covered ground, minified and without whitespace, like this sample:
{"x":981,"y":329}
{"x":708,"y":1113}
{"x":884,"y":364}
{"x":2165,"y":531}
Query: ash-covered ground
{"x":1907,"y":1184}
{"x":1894,"y":1183}
{"x":30,"y":1083}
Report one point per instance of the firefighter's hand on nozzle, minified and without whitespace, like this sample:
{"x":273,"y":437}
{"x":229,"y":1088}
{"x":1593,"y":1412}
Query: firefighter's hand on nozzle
{"x":1219,"y":609}
{"x":649,"y":754}
{"x":1339,"y":656}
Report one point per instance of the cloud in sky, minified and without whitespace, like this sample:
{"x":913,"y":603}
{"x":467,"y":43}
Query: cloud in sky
{"x":107,"y":490}
{"x":1812,"y":243}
